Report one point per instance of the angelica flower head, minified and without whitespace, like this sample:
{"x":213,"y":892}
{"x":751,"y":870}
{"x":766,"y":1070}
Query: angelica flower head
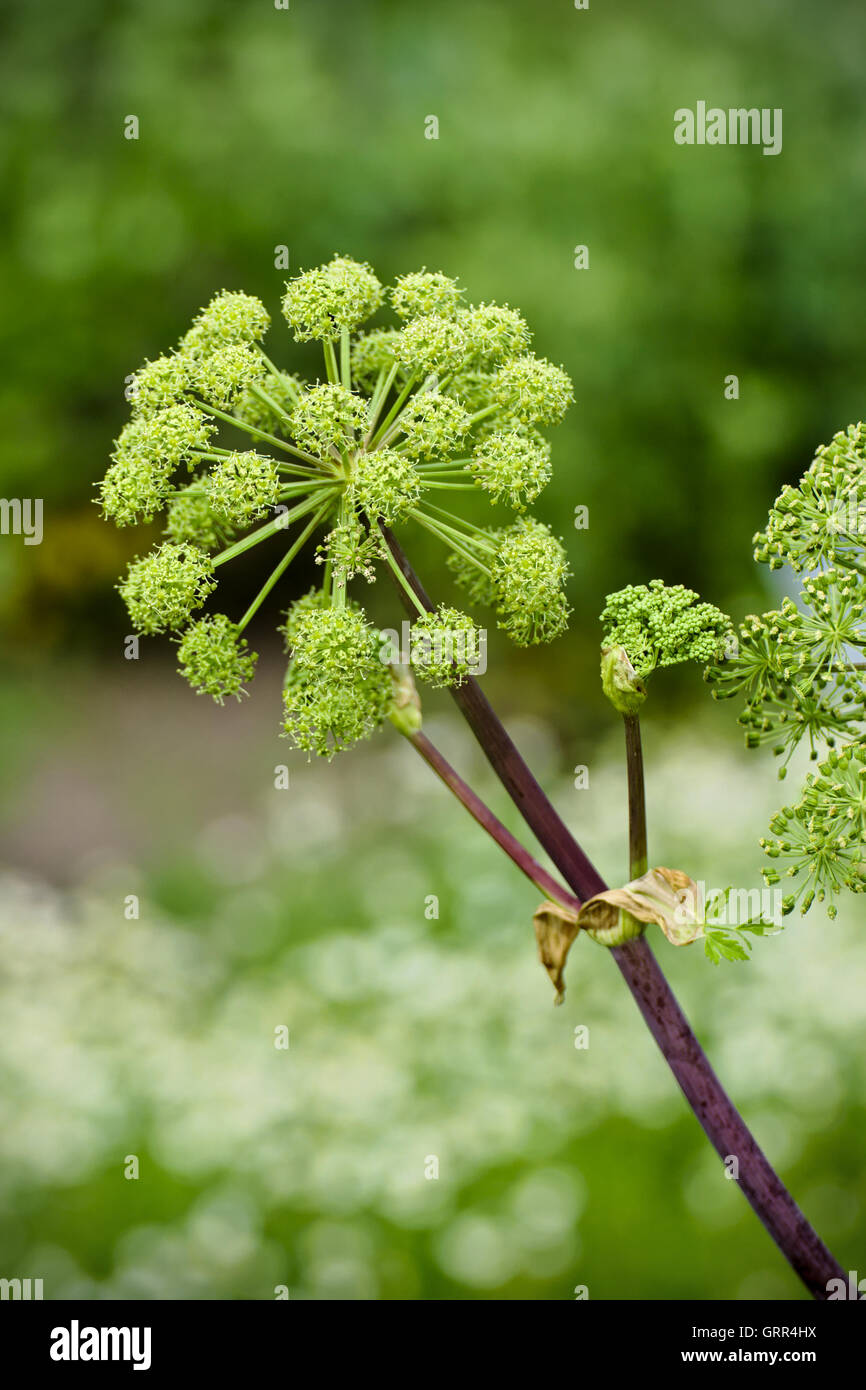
{"x":424,"y":292}
{"x":432,"y":344}
{"x":163,"y":588}
{"x":224,"y":375}
{"x":241,"y":487}
{"x":406,"y":416}
{"x":159,"y":384}
{"x":445,"y":646}
{"x":533,"y":390}
{"x":229,"y":318}
{"x":385,"y":484}
{"x":338,"y":690}
{"x":528,"y":574}
{"x":799,"y":671}
{"x":493,"y":334}
{"x":821,"y":520}
{"x":146,"y":453}
{"x":432,"y":426}
{"x":327,"y":416}
{"x":214,"y":658}
{"x":513,"y":465}
{"x":662,"y":625}
{"x":336,"y":297}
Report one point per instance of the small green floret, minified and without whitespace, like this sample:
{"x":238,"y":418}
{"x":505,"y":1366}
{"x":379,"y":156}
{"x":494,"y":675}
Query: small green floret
{"x":327,"y":416}
{"x":214,"y":658}
{"x":321,"y":303}
{"x":424,"y":292}
{"x":242,"y":487}
{"x":512,"y":466}
{"x":338,"y":690}
{"x":445,"y":647}
{"x":163,"y":588}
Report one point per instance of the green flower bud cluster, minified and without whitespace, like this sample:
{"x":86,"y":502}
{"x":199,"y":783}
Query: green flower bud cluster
{"x":163,"y":588}
{"x":512,"y":465}
{"x":800,"y":671}
{"x":433,"y":426}
{"x":529,"y":573}
{"x":327,"y":417}
{"x":229,"y":318}
{"x":214,"y":658}
{"x":337,"y":690}
{"x":221,"y":377}
{"x":351,"y":550}
{"x":146,"y":453}
{"x":493,"y":333}
{"x":242,"y":487}
{"x":403,"y":416}
{"x":313,"y":601}
{"x":159,"y":384}
{"x":424,"y":292}
{"x":385,"y":484}
{"x":322,"y":303}
{"x":445,"y":646}
{"x":521,"y":572}
{"x":794,"y":669}
{"x":190,"y":518}
{"x":533,"y":390}
{"x":432,"y":345}
{"x":661,"y":625}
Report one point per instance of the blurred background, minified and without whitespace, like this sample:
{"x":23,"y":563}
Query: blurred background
{"x":411,"y":1035}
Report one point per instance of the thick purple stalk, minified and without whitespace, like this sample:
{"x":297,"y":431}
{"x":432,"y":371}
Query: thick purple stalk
{"x":722,"y":1123}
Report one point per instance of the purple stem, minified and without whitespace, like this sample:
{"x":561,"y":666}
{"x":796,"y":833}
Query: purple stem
{"x":724,"y":1126}
{"x":494,"y":827}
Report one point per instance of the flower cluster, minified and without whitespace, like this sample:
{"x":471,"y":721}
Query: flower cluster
{"x":385,"y":484}
{"x":214,"y":659}
{"x":823,"y":519}
{"x":146,"y":453}
{"x":332,"y":299}
{"x":432,"y":426}
{"x":241,"y":487}
{"x":513,"y":466}
{"x":337,"y":690}
{"x":799,"y":670}
{"x":445,"y":646}
{"x":822,"y":837}
{"x":444,"y":400}
{"x":661,"y":625}
{"x":520,"y":571}
{"x":327,"y":416}
{"x":424,"y":292}
{"x":163,"y":588}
